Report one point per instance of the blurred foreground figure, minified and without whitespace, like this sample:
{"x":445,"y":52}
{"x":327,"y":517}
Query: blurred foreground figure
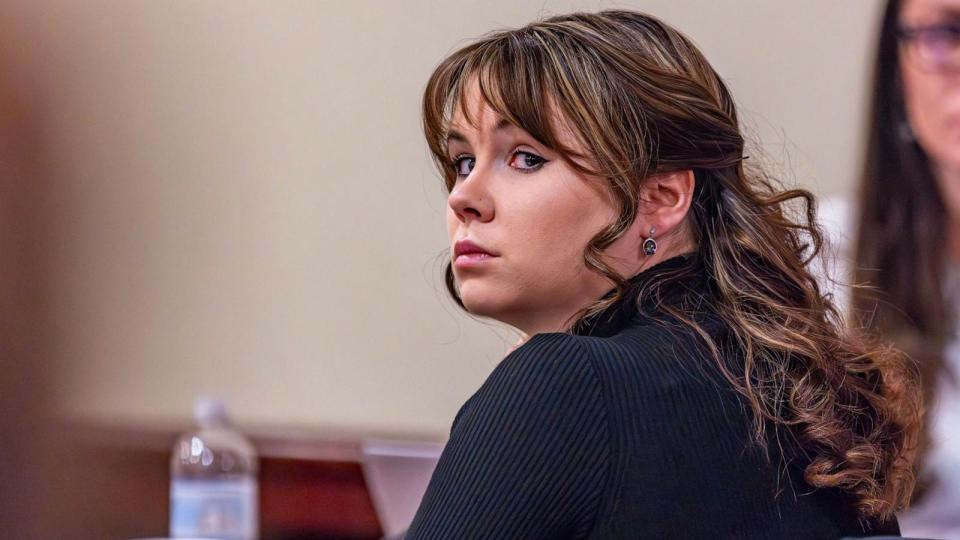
{"x":49,"y":480}
{"x":23,"y":476}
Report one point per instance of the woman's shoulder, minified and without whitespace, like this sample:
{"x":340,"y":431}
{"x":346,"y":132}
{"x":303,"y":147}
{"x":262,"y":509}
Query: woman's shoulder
{"x":566,"y":356}
{"x":645,"y":357}
{"x":532,"y":441}
{"x":548,"y":359}
{"x":656,"y":345}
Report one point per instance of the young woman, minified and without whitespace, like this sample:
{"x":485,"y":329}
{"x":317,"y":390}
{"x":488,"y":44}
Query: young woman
{"x":682,"y":374}
{"x":908,"y":250}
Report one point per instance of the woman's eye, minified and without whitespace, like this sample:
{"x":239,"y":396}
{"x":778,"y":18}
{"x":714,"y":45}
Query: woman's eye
{"x":944,"y":35}
{"x":462,"y":165}
{"x":526,"y":161}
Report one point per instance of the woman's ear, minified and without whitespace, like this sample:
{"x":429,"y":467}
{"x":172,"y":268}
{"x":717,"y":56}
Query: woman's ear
{"x":665,"y":199}
{"x":664,"y":202}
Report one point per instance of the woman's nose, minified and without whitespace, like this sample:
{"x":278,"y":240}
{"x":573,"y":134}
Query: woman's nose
{"x":471,"y":198}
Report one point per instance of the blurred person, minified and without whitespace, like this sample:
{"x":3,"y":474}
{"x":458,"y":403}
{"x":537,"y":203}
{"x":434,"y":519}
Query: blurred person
{"x":681,"y":375}
{"x":50,"y":484}
{"x":907,"y":248}
{"x":24,"y":383}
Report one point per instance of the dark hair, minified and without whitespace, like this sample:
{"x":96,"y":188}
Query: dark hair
{"x":900,"y":248}
{"x":642,"y":99}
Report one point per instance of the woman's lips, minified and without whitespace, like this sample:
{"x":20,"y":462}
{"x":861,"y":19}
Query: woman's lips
{"x":467,"y":253}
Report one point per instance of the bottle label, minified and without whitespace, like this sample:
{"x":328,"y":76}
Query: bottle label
{"x":221,"y":509}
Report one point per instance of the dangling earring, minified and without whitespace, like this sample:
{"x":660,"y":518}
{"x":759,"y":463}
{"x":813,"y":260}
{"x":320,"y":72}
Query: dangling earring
{"x":649,"y":244}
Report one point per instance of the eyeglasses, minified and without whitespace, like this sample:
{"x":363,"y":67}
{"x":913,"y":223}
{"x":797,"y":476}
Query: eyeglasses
{"x":935,"y":47}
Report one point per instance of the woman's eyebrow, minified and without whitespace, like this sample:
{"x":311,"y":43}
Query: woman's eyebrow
{"x":454,"y":135}
{"x":949,"y":14}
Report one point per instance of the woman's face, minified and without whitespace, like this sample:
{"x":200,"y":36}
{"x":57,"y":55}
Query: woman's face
{"x":930,"y":63}
{"x":519,"y":218}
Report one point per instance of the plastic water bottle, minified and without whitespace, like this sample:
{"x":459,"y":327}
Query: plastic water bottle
{"x":213,"y":488}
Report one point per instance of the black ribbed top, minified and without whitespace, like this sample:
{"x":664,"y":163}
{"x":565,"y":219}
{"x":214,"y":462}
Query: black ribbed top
{"x":624,"y":429}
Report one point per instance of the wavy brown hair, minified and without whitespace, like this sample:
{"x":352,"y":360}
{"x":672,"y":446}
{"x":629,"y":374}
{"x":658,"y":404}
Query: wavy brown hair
{"x":899,"y":205}
{"x":641,"y":99}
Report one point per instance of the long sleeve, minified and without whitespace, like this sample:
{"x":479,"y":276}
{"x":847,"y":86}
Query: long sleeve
{"x":529,"y":453}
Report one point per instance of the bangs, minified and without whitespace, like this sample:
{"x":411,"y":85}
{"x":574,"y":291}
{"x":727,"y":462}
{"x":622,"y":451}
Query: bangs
{"x":515,"y":76}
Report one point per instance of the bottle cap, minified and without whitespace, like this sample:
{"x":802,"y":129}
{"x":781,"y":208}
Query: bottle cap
{"x":210,"y":412}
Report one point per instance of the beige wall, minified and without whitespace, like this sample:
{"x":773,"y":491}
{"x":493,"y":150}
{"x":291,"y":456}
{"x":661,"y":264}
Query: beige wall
{"x":244,"y":205}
